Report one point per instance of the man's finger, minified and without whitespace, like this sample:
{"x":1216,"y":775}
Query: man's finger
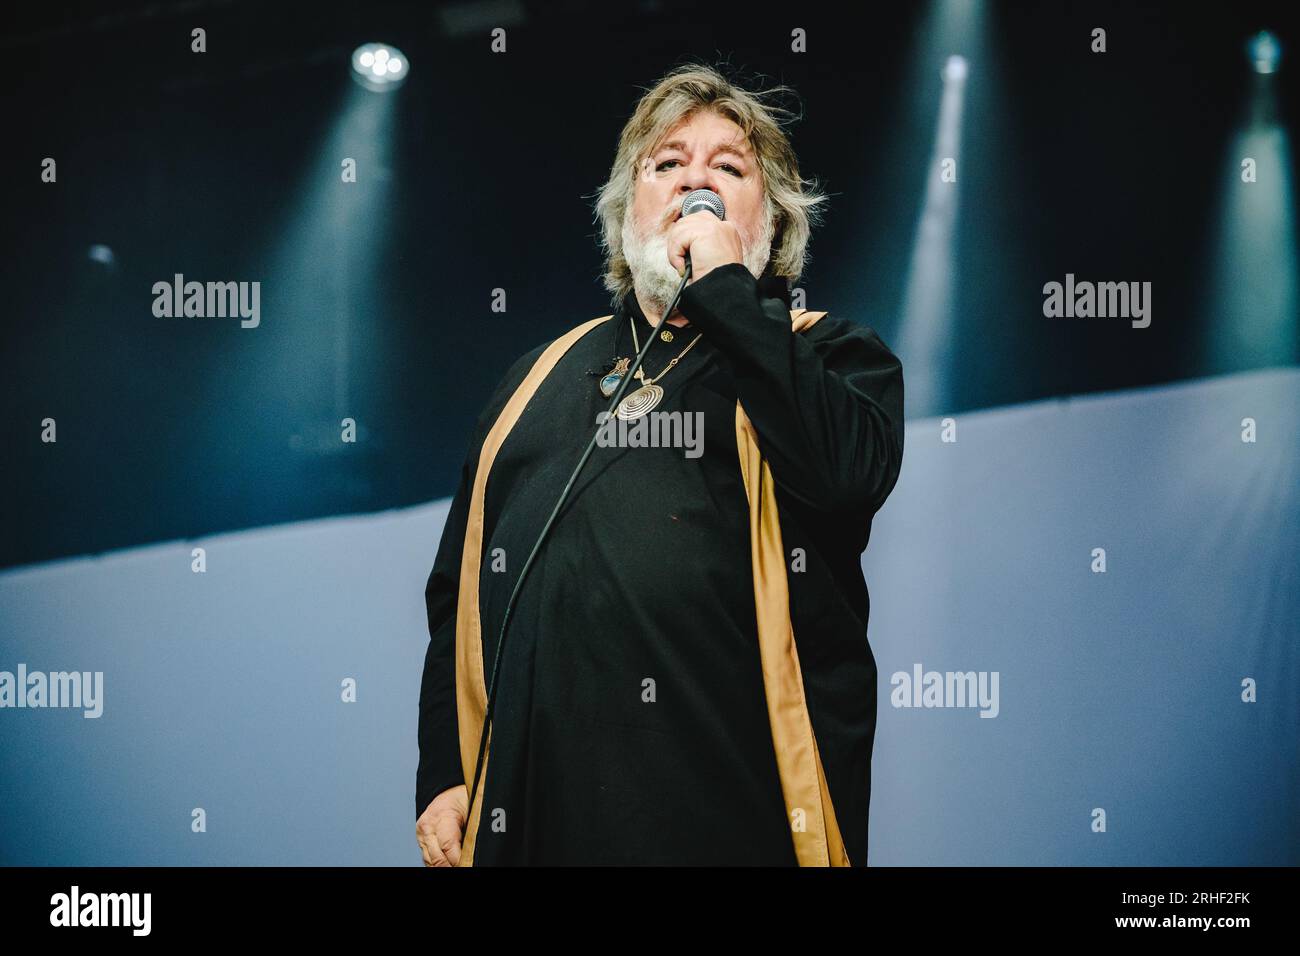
{"x":448,"y":833}
{"x":679,"y":239}
{"x":429,"y":849}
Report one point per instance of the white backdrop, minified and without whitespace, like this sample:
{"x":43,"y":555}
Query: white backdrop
{"x":1119,"y":693}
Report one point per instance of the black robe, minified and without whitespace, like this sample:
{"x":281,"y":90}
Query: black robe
{"x":631,"y":725}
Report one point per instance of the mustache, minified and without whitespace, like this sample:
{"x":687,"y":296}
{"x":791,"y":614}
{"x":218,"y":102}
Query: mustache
{"x":670,"y":216}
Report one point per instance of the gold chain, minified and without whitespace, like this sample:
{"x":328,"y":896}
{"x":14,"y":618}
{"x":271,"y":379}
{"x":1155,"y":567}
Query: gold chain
{"x":680,"y":355}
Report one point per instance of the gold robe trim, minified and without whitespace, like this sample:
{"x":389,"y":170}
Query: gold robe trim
{"x":808,"y":807}
{"x":809,"y":810}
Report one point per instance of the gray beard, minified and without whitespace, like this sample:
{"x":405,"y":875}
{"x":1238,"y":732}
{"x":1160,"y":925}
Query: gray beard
{"x":654,"y":278}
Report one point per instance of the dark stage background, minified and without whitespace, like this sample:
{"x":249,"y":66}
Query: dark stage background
{"x":479,"y":174}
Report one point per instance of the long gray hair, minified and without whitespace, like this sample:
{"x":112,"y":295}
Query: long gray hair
{"x":794,"y":203}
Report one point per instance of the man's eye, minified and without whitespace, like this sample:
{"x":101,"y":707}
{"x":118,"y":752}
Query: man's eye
{"x":734,"y":171}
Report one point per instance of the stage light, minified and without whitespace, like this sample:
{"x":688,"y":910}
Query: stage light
{"x":929,"y":296}
{"x":950,"y":60}
{"x":329,"y":259}
{"x":379,"y":66}
{"x":102,"y":255}
{"x":1265,"y":52}
{"x":1253,"y":294}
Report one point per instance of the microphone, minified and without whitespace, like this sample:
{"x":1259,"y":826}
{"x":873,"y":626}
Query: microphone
{"x":696,"y":201}
{"x":704,"y":199}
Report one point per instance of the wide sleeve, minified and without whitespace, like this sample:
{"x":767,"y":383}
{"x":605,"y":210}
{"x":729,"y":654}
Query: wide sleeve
{"x":439,"y":727}
{"x":439,"y":737}
{"x":827,"y":403}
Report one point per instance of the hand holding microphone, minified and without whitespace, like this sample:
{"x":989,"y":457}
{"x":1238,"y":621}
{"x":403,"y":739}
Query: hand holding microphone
{"x":699,"y":244}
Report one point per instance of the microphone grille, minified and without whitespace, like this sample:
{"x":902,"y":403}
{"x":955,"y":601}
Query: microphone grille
{"x":704,"y":199}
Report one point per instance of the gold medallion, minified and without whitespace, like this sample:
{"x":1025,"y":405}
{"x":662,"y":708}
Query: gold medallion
{"x":639,"y":402}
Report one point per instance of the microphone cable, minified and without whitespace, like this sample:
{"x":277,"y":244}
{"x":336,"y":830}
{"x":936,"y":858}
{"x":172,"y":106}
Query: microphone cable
{"x":505,"y":620}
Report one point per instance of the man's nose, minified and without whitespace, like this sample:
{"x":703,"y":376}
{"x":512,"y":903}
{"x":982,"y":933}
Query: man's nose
{"x":696,"y":177}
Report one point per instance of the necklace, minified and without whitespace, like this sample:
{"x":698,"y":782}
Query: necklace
{"x":646,"y":397}
{"x":615,"y":375}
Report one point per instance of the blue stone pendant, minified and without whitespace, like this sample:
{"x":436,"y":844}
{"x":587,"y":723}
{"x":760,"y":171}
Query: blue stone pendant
{"x":609,"y":384}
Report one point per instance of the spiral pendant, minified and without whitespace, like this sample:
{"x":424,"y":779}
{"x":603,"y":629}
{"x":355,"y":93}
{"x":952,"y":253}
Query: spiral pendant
{"x":639,"y":402}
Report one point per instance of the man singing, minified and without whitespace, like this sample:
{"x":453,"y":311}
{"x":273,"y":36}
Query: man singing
{"x":686,"y":677}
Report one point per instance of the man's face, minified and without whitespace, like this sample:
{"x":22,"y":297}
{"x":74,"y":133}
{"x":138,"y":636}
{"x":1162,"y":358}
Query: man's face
{"x":706,"y":151}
